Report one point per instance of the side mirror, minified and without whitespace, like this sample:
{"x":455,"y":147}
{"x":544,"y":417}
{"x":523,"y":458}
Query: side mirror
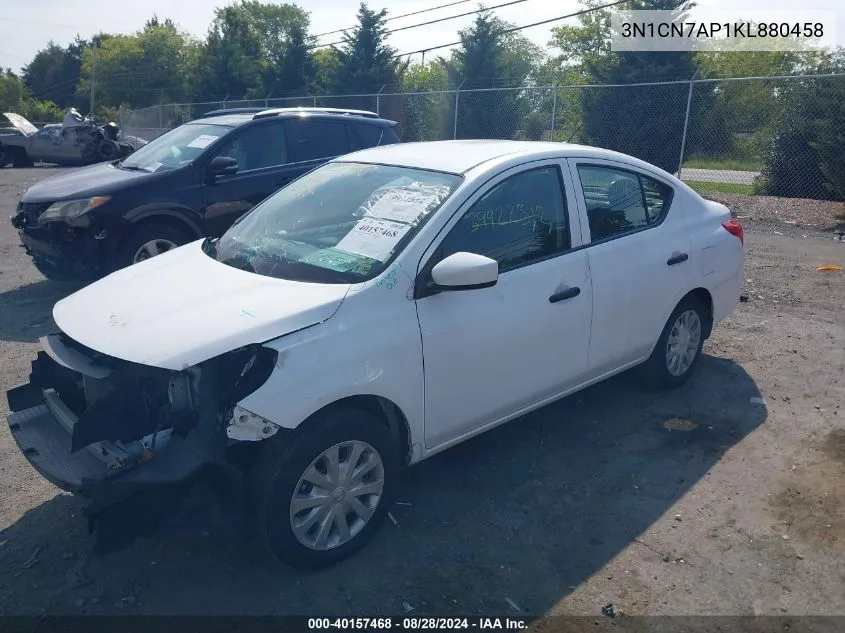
{"x":222,"y":165}
{"x":465,"y":271}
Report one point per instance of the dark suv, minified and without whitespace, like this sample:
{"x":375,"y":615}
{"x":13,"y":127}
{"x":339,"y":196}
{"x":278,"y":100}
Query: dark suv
{"x":193,"y":181}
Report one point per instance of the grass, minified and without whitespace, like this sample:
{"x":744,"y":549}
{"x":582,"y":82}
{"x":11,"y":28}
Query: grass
{"x":733,"y":164}
{"x":722,"y":187}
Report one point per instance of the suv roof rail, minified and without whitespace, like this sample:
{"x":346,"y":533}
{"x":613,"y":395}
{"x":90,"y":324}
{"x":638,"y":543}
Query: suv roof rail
{"x":225,"y":111}
{"x":345,"y":111}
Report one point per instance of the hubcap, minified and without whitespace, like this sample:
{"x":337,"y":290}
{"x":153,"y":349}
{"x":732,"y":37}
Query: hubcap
{"x":337,"y":495}
{"x":153,"y":248}
{"x":682,"y":345}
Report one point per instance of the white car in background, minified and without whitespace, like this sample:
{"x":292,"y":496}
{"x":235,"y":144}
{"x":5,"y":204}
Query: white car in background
{"x":382,"y":308}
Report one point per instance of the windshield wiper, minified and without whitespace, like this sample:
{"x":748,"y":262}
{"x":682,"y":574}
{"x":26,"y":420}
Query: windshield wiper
{"x":121,"y":165}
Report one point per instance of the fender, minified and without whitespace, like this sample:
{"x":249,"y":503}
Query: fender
{"x":187,"y":216}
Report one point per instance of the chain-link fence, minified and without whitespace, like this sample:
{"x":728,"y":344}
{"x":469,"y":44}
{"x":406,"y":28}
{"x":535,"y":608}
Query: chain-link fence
{"x":780,"y":136}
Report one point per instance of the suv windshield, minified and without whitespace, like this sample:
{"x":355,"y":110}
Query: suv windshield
{"x":341,"y":223}
{"x":175,"y":148}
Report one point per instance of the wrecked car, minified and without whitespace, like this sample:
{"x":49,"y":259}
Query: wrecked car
{"x":75,"y":141}
{"x":194,"y":181}
{"x":381,"y":308}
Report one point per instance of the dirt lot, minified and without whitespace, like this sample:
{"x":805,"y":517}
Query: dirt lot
{"x":698,"y":501}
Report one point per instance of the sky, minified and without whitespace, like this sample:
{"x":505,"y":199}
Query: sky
{"x":27,"y":27}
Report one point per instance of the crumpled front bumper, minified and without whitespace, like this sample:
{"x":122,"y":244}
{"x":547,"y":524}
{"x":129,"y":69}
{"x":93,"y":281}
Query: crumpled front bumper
{"x":128,"y":494}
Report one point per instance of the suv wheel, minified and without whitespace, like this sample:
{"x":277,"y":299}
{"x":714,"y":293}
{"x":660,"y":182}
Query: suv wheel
{"x":322,"y":492}
{"x":20,"y":158}
{"x":148,"y":241}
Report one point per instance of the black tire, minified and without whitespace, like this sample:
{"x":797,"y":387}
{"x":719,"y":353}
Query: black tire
{"x":20,"y":158}
{"x":655,"y":371}
{"x":107,"y":150}
{"x":283,"y":460}
{"x":145,"y":233}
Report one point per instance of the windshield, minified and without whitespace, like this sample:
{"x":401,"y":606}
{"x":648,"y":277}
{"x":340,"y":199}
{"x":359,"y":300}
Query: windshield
{"x":341,"y":223}
{"x":175,"y":148}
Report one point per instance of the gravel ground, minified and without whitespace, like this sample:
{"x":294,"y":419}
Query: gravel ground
{"x":722,"y":498}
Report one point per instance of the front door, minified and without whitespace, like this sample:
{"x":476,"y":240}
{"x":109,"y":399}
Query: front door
{"x":491,"y":352}
{"x":263,"y":168}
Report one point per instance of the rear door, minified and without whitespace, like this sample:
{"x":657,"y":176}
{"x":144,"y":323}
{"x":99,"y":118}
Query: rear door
{"x":263,"y":167}
{"x":639,"y":248}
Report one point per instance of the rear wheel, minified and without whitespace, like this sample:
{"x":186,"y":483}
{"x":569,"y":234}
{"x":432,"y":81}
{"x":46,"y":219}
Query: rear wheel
{"x":677,"y":351}
{"x":322,"y":493}
{"x":107,"y":150}
{"x":20,"y":158}
{"x":149,"y":240}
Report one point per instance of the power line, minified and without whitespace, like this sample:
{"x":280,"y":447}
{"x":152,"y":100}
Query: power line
{"x":396,"y":17}
{"x":518,"y":28}
{"x":451,"y":17}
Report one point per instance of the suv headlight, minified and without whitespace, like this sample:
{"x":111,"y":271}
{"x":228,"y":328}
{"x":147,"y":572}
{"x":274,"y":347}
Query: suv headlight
{"x":71,"y":209}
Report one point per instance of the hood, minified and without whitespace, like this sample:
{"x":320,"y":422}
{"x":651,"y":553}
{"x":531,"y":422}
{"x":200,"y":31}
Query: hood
{"x":95,"y":180}
{"x":21,"y":124}
{"x":183,"y":307}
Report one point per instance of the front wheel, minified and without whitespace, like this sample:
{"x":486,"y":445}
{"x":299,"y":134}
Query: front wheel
{"x":679,"y":346}
{"x":322,"y":493}
{"x":149,"y":240}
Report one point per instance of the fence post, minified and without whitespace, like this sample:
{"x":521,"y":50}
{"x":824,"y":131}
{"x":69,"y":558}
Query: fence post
{"x":315,"y":101}
{"x":267,"y":100}
{"x":455,"y":123}
{"x":378,"y":100}
{"x":160,"y":117}
{"x":554,"y":113}
{"x":686,"y":122}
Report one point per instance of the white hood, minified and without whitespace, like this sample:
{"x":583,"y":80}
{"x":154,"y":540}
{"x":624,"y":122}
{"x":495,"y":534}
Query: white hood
{"x":182,"y":307}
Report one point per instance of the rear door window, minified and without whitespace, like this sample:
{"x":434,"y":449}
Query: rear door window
{"x":362,"y":136}
{"x":312,"y":139}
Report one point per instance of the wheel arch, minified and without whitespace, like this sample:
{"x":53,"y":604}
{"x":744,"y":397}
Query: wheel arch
{"x":387,"y":411}
{"x":180,"y":219}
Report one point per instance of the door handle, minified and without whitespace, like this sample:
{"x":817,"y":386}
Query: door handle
{"x":569,"y":293}
{"x":677,"y":258}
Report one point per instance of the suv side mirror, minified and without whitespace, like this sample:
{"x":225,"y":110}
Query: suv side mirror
{"x":465,"y":271}
{"x":222,"y":165}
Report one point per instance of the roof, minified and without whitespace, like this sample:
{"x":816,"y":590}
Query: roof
{"x":459,"y":157}
{"x":239,"y":116}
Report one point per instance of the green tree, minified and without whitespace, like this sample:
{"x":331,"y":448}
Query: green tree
{"x":644,"y":121}
{"x":282,"y":30}
{"x":54,"y":72}
{"x":326,"y":70}
{"x":231,"y":61}
{"x":151,"y":66}
{"x":426,"y":111}
{"x":366,"y":62}
{"x":488,"y":56}
{"x":805,"y":157}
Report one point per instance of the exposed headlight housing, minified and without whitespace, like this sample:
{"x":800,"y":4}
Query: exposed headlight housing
{"x":71,"y":210}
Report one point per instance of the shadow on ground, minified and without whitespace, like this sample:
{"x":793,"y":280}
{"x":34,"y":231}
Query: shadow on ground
{"x":26,"y":311}
{"x":522,"y":514}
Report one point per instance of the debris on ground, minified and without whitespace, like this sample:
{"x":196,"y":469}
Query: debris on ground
{"x":678,"y":518}
{"x":822,"y":269}
{"x":406,"y":605}
{"x":33,"y":558}
{"x":743,"y":298}
{"x":513,"y":604}
{"x":392,"y":518}
{"x":609,"y":610}
{"x":402,"y":503}
{"x":756,"y":401}
{"x":679,"y":424}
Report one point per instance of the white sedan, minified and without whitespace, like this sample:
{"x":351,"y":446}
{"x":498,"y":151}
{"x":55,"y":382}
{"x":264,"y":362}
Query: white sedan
{"x":382,"y":308}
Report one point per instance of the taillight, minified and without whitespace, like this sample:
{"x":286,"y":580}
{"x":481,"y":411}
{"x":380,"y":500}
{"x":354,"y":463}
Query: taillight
{"x":733,"y":227}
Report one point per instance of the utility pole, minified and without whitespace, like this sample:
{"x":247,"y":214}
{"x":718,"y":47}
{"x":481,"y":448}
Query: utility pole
{"x":93,"y":74}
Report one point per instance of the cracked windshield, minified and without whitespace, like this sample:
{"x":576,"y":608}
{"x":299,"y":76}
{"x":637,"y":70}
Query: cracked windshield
{"x":341,"y":223}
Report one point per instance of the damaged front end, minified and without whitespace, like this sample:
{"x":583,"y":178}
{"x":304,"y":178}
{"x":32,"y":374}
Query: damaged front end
{"x":133,"y":439}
